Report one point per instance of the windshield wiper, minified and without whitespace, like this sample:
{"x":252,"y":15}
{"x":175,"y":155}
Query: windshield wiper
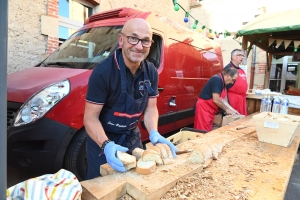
{"x":61,"y":64}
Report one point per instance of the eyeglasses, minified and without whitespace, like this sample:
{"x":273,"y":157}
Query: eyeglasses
{"x":134,"y":41}
{"x":240,"y":55}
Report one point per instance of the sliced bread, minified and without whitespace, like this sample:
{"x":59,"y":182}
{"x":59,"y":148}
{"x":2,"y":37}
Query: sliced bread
{"x":145,"y":167}
{"x":138,"y":152}
{"x":128,"y":160}
{"x":163,"y":151}
{"x":167,"y":155}
{"x":152,"y":155}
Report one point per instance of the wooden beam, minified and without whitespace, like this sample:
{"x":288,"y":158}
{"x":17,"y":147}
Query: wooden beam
{"x":268,"y":69}
{"x":244,"y":43}
{"x":283,"y":53}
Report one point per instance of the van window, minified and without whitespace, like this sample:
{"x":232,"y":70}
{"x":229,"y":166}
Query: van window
{"x":155,"y":51}
{"x":85,"y":49}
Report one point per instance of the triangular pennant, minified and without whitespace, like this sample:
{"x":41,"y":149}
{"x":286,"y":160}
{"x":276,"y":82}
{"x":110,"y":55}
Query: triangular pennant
{"x":296,"y":44}
{"x":278,"y":43}
{"x":287,"y":43}
{"x":271,"y":40}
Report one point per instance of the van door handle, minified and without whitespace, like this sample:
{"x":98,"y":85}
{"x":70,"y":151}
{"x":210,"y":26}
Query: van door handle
{"x":160,"y":89}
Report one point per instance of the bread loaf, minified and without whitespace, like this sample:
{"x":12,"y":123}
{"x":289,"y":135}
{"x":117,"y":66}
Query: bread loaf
{"x":129,"y":161}
{"x":152,"y":155}
{"x":138,"y":152}
{"x":217,"y":147}
{"x":201,"y":155}
{"x":145,"y":167}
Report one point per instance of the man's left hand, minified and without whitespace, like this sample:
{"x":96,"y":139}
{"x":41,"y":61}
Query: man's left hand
{"x":155,"y":138}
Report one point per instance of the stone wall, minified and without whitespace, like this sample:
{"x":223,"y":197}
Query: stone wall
{"x":26,"y":45}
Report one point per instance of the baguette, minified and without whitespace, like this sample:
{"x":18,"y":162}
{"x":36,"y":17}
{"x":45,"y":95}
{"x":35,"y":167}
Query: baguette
{"x":145,"y":167}
{"x":217,"y":147}
{"x":129,"y":161}
{"x":201,"y":155}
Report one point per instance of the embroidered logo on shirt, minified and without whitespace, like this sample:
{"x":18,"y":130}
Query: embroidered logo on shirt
{"x":141,"y":87}
{"x":243,"y":76}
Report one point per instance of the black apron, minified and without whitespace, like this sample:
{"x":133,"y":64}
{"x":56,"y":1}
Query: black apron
{"x":121,"y":122}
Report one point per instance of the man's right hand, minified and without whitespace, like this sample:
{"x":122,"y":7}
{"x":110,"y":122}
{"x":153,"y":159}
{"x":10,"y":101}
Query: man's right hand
{"x":230,"y":112}
{"x":110,"y":151}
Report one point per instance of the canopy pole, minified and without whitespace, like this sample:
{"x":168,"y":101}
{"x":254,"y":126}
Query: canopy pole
{"x":268,"y":69}
{"x":252,"y":70}
{"x":3,"y":96}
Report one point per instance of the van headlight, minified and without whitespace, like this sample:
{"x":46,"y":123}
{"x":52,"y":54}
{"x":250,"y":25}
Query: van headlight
{"x":41,"y":102}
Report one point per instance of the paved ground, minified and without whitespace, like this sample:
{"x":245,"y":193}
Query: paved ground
{"x":293,"y":190}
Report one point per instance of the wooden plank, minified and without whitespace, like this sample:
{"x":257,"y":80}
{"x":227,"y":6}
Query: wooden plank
{"x":272,"y":181}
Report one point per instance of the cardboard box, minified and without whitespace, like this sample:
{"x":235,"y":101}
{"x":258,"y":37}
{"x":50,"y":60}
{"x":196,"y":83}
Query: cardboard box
{"x":275,"y":128}
{"x":230,"y":118}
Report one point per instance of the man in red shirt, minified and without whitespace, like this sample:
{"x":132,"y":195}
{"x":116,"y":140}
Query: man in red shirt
{"x":237,"y":90}
{"x":211,"y":99}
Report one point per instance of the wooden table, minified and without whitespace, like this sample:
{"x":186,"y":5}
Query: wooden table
{"x":246,"y":167}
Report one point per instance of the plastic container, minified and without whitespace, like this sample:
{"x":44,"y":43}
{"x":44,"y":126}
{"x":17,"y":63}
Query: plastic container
{"x":276,"y":105}
{"x":263,"y":104}
{"x":268,"y":104}
{"x":284,"y":106}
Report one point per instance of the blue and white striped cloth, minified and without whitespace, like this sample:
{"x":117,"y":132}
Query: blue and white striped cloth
{"x":60,"y":186}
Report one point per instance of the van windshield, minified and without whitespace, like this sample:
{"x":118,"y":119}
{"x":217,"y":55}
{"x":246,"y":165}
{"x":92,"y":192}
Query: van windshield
{"x":85,"y":49}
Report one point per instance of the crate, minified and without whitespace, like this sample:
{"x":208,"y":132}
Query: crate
{"x":275,"y":128}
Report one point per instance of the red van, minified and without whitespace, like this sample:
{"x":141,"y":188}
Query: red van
{"x":45,"y":103}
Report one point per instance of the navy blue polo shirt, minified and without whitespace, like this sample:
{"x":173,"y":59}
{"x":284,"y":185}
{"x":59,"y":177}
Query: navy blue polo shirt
{"x":104,"y":86}
{"x":213,"y":85}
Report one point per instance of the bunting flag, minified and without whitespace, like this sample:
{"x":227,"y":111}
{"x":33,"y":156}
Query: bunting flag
{"x":296,"y":44}
{"x":287,"y":43}
{"x":271,"y":40}
{"x":278,"y":43}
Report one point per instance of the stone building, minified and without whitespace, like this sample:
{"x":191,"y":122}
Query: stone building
{"x":36,"y":27}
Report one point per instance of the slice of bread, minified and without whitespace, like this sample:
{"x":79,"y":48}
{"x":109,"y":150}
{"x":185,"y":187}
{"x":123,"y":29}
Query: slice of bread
{"x":152,"y":155}
{"x":138,"y":152}
{"x":217,"y":147}
{"x":128,"y":160}
{"x":201,"y":155}
{"x":166,"y":154}
{"x":157,"y":149}
{"x":163,"y":151}
{"x":145,"y":167}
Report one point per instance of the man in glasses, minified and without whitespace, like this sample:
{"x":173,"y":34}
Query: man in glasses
{"x":211,"y":99}
{"x":237,"y":91}
{"x":120,"y":90}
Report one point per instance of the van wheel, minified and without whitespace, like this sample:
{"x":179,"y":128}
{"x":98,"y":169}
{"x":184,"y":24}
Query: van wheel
{"x":75,"y":157}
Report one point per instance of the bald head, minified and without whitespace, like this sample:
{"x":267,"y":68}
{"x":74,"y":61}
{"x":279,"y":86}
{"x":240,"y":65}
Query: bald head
{"x":137,"y":24}
{"x":135,"y":34}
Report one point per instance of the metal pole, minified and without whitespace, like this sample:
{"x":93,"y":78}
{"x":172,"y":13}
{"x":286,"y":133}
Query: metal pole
{"x":3,"y":96}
